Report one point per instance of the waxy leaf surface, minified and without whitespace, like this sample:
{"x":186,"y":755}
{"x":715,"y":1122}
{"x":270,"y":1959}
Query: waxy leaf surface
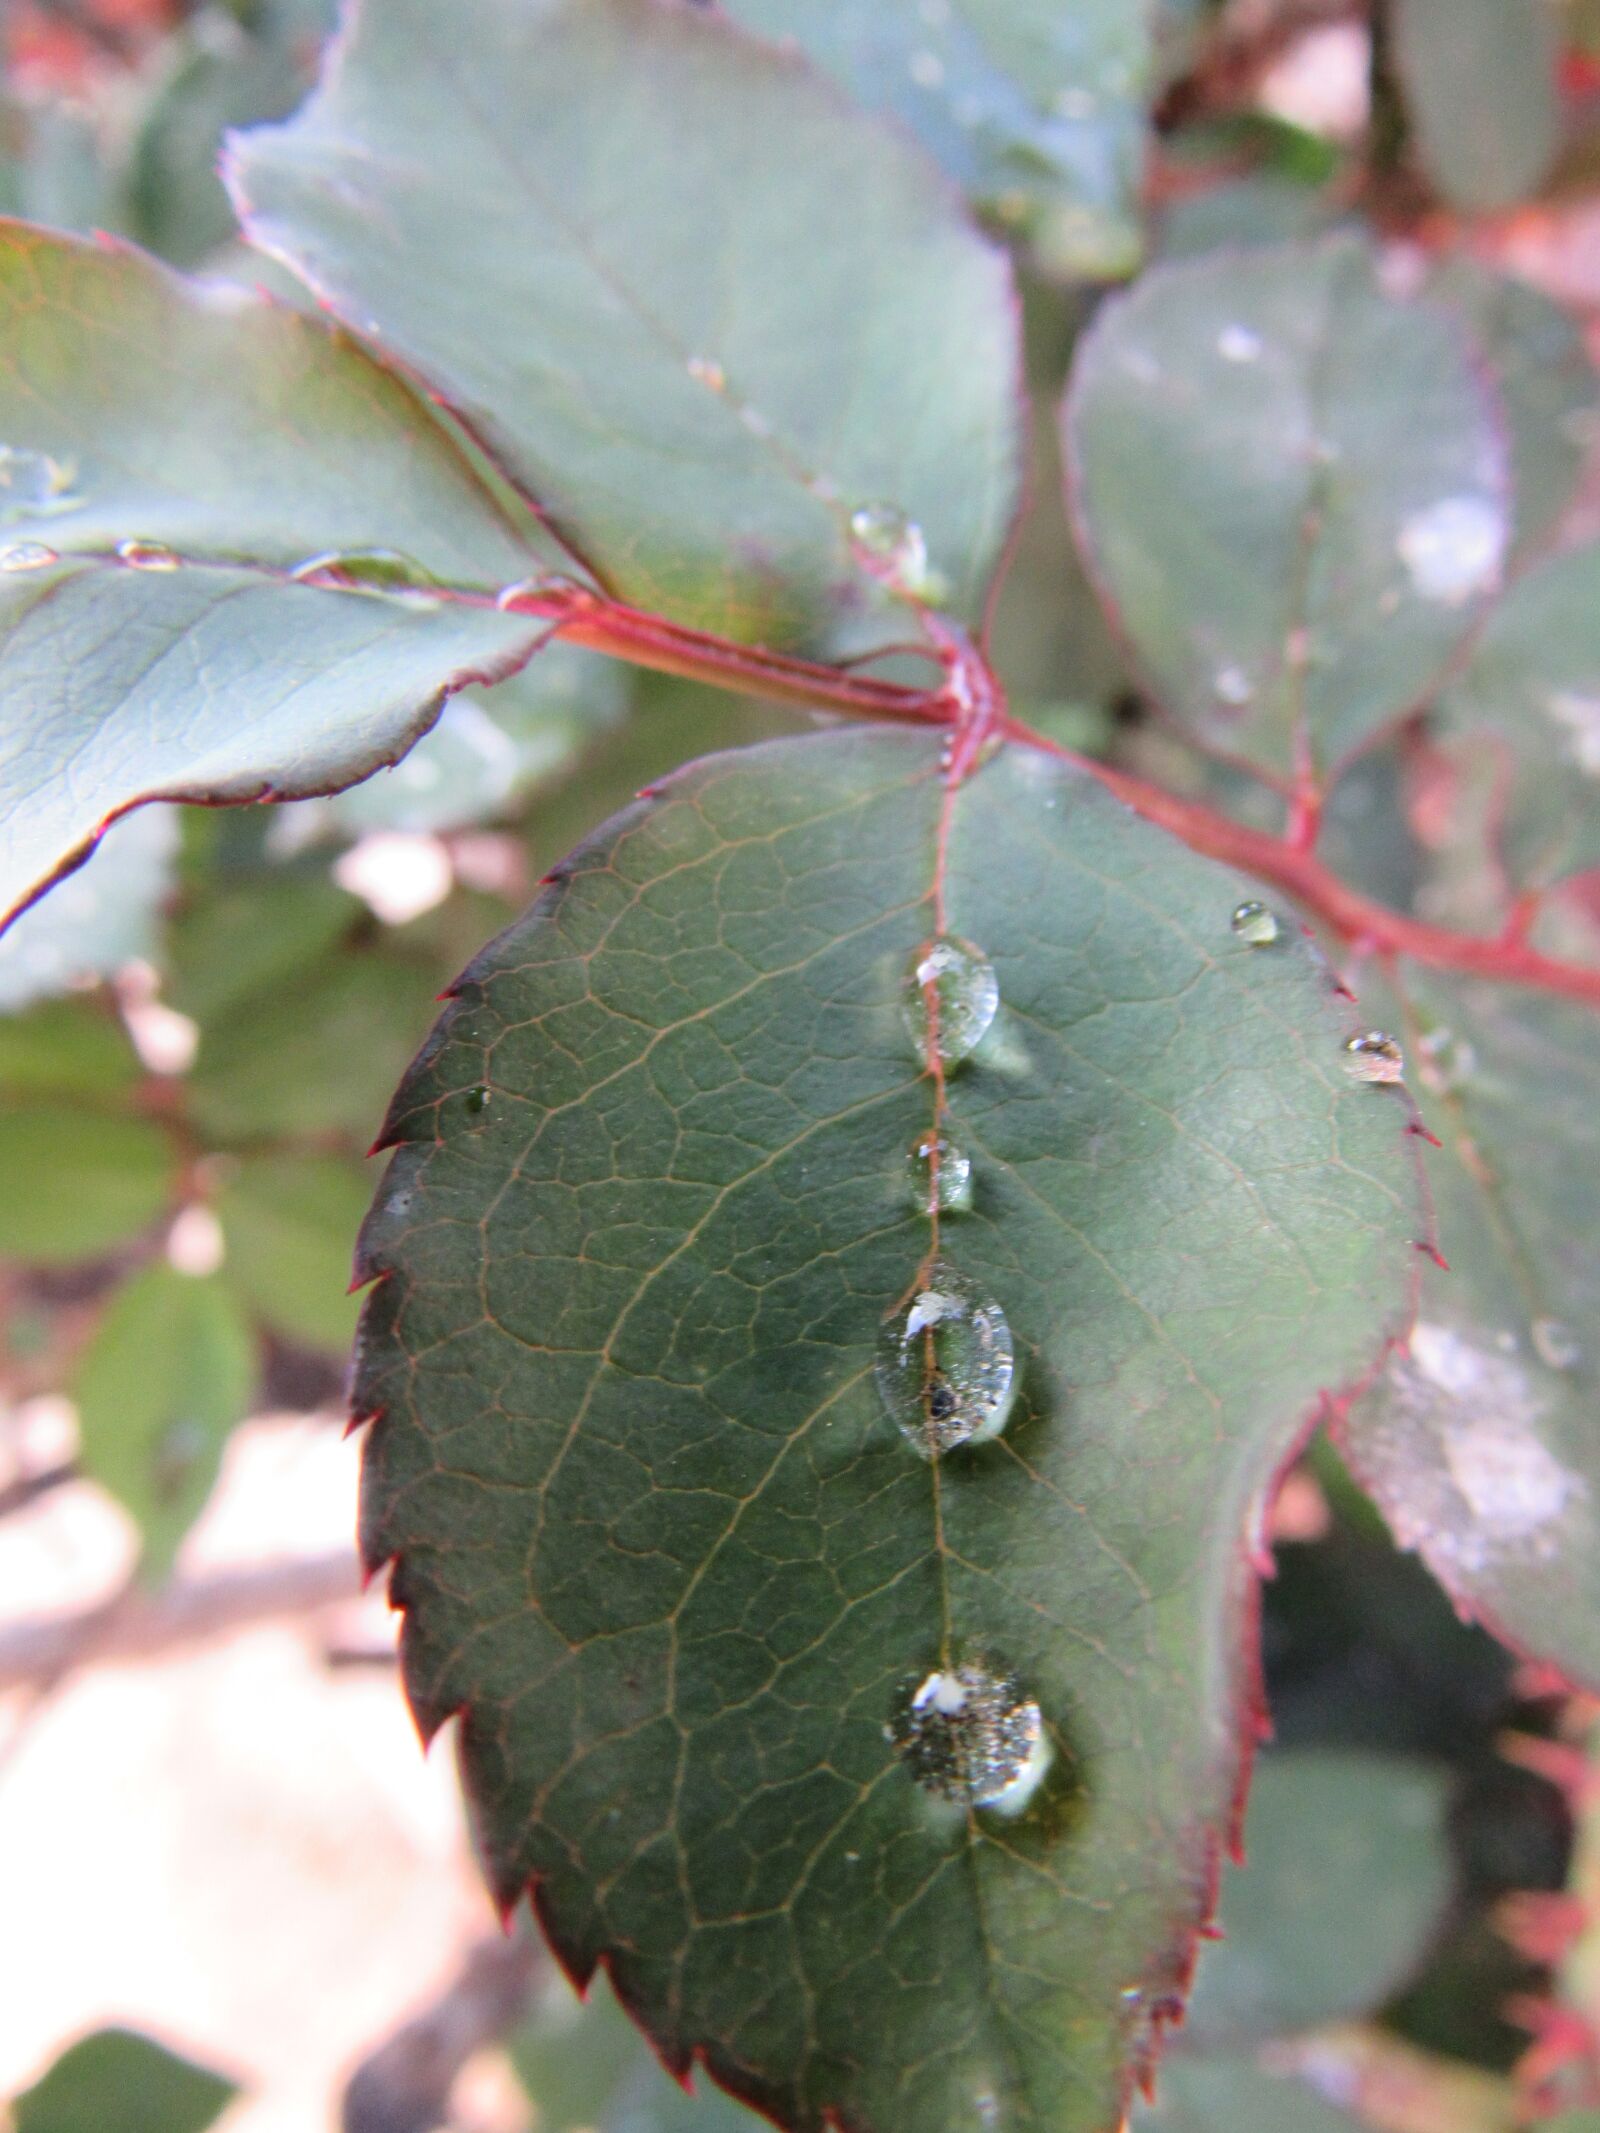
{"x":1479,"y":1441}
{"x":245,"y":440}
{"x":697,"y":305}
{"x":1291,"y":488}
{"x":658,"y":1538}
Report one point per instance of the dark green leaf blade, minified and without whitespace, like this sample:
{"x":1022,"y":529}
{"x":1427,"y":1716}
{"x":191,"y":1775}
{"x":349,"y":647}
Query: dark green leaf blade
{"x":120,"y":2082}
{"x":657,"y":1534}
{"x":1036,"y":110}
{"x":1479,"y":1444}
{"x":1292,"y":489}
{"x":1480,"y":79}
{"x":245,"y":440}
{"x":609,"y":232}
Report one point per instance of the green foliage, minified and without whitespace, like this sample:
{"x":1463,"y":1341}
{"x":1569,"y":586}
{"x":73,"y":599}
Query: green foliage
{"x":78,"y":1181}
{"x":1492,"y":59}
{"x":121,"y":2082}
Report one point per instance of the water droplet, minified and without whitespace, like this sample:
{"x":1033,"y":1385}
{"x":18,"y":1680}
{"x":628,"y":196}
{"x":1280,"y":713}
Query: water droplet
{"x":1374,"y":1056}
{"x":1558,"y":1345}
{"x":952,"y":996}
{"x":1232,"y":685}
{"x":971,"y":1736}
{"x":146,"y":555}
{"x":927,"y":70}
{"x":367,"y":570}
{"x":1256,"y":923}
{"x":1239,"y":344}
{"x":32,"y":481}
{"x":1454,"y":549}
{"x":476,"y":1102}
{"x":27,"y":555}
{"x":946,"y":1364}
{"x":708,"y":373}
{"x":941,"y":1174}
{"x":894,"y":548}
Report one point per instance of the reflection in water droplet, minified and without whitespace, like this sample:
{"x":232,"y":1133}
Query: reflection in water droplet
{"x":27,"y":555}
{"x":952,"y":997}
{"x":476,"y":1102}
{"x":941,"y":1174}
{"x":1558,"y":1345}
{"x":1256,"y":923}
{"x":365,"y":570}
{"x":971,"y":1736}
{"x":947,"y":1364}
{"x":1453,"y":549}
{"x":894,"y":548}
{"x":1239,"y":344}
{"x":146,"y":555}
{"x":1374,"y":1056}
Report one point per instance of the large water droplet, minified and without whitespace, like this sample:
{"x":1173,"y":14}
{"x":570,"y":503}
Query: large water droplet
{"x":368,"y":570}
{"x":947,"y":1365}
{"x":952,"y":996}
{"x":971,"y":1736}
{"x":1558,"y":1345}
{"x":1454,"y":549}
{"x":27,"y":555}
{"x":146,"y":555}
{"x":1374,"y":1056}
{"x":1256,"y":923}
{"x":941,"y":1174}
{"x":894,"y":548}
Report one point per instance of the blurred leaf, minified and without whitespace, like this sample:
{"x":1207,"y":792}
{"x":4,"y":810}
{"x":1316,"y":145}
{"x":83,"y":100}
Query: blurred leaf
{"x":1479,"y":1445}
{"x":66,"y":1048}
{"x":1035,"y":109}
{"x":1480,"y":80}
{"x":1292,"y":490}
{"x":659,"y":1539}
{"x":98,"y":918}
{"x":1347,"y":1875}
{"x":248,"y":439}
{"x":587,"y":2069}
{"x":234,"y":938}
{"x":78,"y":1183}
{"x":608,"y":231}
{"x":1266,"y":208}
{"x":290,"y":1223}
{"x":167,"y":1374}
{"x":1235,"y":2095}
{"x":119,"y":2082}
{"x":54,"y":168}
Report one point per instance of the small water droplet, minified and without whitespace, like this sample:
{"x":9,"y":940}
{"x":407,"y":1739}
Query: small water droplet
{"x":1239,"y":344}
{"x":952,"y":997}
{"x":1453,"y":549}
{"x":946,"y":1364}
{"x":970,"y":1735}
{"x":1374,"y":1056}
{"x":27,"y":555}
{"x":1232,"y":685}
{"x":1558,"y":1345}
{"x":365,"y":570}
{"x":893,"y":547}
{"x":941,"y":1174}
{"x":146,"y":555}
{"x":1256,"y":923}
{"x":927,"y":70}
{"x":476,"y":1102}
{"x":707,"y":372}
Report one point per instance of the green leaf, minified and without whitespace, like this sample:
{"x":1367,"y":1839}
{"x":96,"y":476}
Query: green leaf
{"x":68,"y":1048}
{"x":1347,"y":1875}
{"x":1478,"y":1443}
{"x":1236,"y":2096}
{"x":657,"y":1533}
{"x":98,"y":919}
{"x":78,"y":1183}
{"x":1292,"y":489}
{"x":1036,"y":111}
{"x":246,"y":440}
{"x":236,"y":938}
{"x":609,"y":232}
{"x":117,"y":2081}
{"x":1480,"y":79}
{"x":290,"y":1222}
{"x":587,"y":2070}
{"x":167,"y":1374}
{"x":1531,"y":693}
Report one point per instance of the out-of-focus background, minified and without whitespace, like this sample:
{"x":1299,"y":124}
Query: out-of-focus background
{"x":216,"y":1827}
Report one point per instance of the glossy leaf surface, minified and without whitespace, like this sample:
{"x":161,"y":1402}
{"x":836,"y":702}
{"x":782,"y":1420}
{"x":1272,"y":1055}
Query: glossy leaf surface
{"x":658,"y":1534}
{"x":609,"y":232}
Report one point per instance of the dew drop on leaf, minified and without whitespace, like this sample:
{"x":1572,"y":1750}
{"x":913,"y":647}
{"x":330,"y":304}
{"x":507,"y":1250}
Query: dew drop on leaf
{"x":476,"y":1102}
{"x":27,"y":555}
{"x":1256,"y":923}
{"x":1231,"y":685}
{"x":952,"y":997}
{"x":941,"y":1174}
{"x":970,"y":1735}
{"x":1239,"y":344}
{"x":894,"y":548}
{"x":946,"y":1364}
{"x":1374,"y":1056}
{"x":1454,"y":549}
{"x":146,"y":555}
{"x":1558,"y":1346}
{"x":368,"y":570}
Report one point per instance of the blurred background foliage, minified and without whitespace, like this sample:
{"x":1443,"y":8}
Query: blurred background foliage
{"x":199,"y":1031}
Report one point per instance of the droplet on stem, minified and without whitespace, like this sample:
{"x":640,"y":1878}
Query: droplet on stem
{"x":1256,"y":923}
{"x":146,"y":555}
{"x":947,"y":1364}
{"x":952,"y":997}
{"x":970,"y":1735}
{"x":941,"y":1174}
{"x":893,"y":547}
{"x":371,"y":570}
{"x":1374,"y":1056}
